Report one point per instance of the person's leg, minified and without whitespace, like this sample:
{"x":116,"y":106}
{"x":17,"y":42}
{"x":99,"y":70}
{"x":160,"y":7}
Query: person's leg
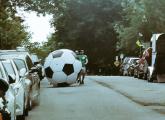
{"x":83,"y":74}
{"x":78,"y":80}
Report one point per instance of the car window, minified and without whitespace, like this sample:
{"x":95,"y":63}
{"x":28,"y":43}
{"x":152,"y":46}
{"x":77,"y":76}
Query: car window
{"x":134,"y":61}
{"x":20,"y":64}
{"x":29,"y":62}
{"x":34,"y":58}
{"x":9,"y":68}
{"x":1,"y":73}
{"x":126,"y":60}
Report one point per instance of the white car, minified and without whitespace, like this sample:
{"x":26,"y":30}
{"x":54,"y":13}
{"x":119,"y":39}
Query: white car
{"x":5,"y":113}
{"x":126,"y":64}
{"x":156,"y":68}
{"x":31,"y":72}
{"x":24,"y":63}
{"x":19,"y":87}
{"x":10,"y":94}
{"x":37,"y":62}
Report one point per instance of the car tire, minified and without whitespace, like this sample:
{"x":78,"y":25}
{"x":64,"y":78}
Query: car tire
{"x":36,"y":102}
{"x":135,"y":74}
{"x":139,"y":75}
{"x":21,"y":117}
{"x":29,"y":106}
{"x":149,"y":77}
{"x":26,"y":110}
{"x":145,"y":76}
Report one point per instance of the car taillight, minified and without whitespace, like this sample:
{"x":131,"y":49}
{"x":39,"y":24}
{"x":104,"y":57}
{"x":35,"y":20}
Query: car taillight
{"x":1,"y":116}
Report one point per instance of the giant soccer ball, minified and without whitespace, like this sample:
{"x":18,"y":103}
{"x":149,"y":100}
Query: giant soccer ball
{"x":61,"y":66}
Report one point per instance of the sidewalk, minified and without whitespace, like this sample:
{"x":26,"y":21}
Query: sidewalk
{"x":140,"y":91}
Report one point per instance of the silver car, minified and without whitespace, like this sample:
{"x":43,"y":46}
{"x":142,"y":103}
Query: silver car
{"x":19,"y":87}
{"x":24,"y":65}
{"x":5,"y":113}
{"x":10,"y":94}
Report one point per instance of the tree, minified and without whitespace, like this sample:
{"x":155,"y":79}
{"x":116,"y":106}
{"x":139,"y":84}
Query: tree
{"x":12,"y":32}
{"x":88,"y":25}
{"x":139,"y":16}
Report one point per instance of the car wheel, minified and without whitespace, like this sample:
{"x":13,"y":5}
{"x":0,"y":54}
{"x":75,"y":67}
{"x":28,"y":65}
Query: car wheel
{"x":149,"y":77}
{"x":29,"y":106}
{"x":129,"y":73}
{"x":135,"y":74}
{"x":36,"y":102}
{"x":26,"y":111}
{"x":78,"y":81}
{"x":21,"y":117}
{"x":145,"y":76}
{"x":139,"y":75}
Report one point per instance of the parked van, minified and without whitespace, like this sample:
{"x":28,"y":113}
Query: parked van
{"x":157,"y":68}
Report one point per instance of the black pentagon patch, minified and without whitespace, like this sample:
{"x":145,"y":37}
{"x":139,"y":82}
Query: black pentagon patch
{"x":57,"y":54}
{"x":68,"y":69}
{"x":48,"y":72}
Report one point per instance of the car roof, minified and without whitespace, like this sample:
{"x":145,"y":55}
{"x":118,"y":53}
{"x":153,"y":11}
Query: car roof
{"x":13,"y":52}
{"x":134,"y":58}
{"x":34,"y":57}
{"x":11,"y":56}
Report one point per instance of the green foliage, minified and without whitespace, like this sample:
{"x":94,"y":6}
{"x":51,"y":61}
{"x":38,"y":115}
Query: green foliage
{"x":103,"y":28}
{"x":140,"y":16}
{"x":12,"y":32}
{"x":88,"y":25}
{"x":37,"y":48}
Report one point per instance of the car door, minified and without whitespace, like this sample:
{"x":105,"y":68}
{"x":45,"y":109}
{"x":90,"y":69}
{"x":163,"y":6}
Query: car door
{"x":21,"y":67}
{"x":35,"y":81}
{"x":17,"y":85}
{"x":10,"y":94}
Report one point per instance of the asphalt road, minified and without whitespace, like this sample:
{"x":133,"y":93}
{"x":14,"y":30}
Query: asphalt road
{"x":92,"y":101}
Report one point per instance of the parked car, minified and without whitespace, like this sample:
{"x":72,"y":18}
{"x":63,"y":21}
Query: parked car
{"x":122,"y":67}
{"x":132,"y":66}
{"x":10,"y":93}
{"x":19,"y":86}
{"x":4,"y":112}
{"x":37,"y":62}
{"x":33,"y":58}
{"x":156,"y":70}
{"x":31,"y":74}
{"x":135,"y":70}
{"x":127,"y":63}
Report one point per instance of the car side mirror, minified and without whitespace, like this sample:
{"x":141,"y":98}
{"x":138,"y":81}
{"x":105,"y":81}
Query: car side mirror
{"x":12,"y":79}
{"x":40,"y":60}
{"x":22,"y":72}
{"x":35,"y":63}
{"x":33,"y":69}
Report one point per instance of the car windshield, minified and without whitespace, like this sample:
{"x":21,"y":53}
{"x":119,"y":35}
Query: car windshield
{"x":126,"y":60}
{"x":9,"y":68}
{"x":34,"y":58}
{"x":19,"y":64}
{"x":133,"y":61}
